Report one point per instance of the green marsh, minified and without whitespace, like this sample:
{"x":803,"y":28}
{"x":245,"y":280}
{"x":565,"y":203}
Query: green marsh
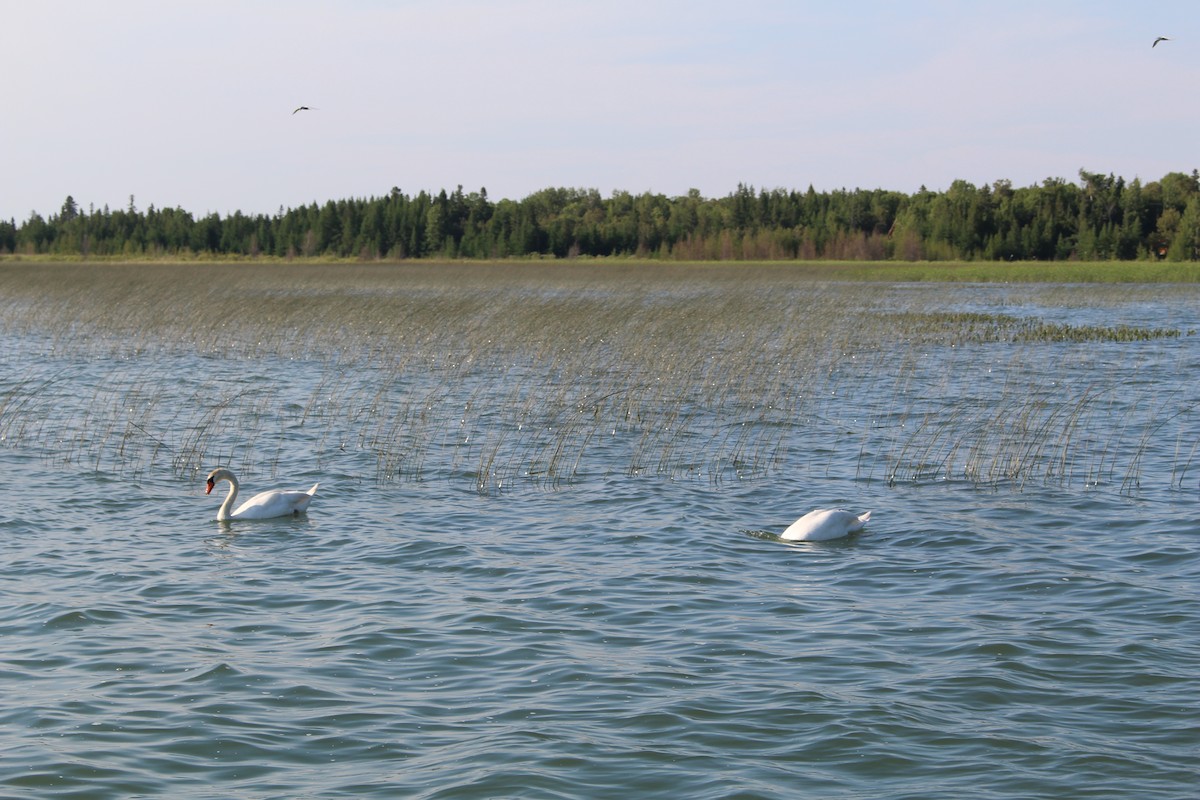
{"x":548,"y":374}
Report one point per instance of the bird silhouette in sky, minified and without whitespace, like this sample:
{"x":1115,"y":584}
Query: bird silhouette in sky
{"x":306,"y":108}
{"x":1161,"y":39}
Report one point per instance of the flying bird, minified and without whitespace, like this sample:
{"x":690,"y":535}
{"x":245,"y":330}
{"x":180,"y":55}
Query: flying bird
{"x":306,"y":108}
{"x":1161,"y":39}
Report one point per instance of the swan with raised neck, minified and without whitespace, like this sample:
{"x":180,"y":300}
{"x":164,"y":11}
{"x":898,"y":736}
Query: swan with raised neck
{"x":264,"y":505}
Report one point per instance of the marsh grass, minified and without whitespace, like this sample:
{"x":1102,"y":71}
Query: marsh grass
{"x":547,"y":374}
{"x":964,"y":327}
{"x":1038,"y":272}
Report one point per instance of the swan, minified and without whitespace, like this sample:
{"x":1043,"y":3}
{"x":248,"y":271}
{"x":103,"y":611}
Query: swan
{"x":264,"y":505}
{"x":824,"y":523}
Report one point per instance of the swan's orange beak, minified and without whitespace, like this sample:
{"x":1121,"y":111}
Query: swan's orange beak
{"x":210,"y":485}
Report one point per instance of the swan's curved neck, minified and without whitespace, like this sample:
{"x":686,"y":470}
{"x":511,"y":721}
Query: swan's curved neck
{"x":226,"y":510}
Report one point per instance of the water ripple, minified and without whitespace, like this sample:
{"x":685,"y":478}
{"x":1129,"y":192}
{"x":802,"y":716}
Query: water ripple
{"x":645,"y":635}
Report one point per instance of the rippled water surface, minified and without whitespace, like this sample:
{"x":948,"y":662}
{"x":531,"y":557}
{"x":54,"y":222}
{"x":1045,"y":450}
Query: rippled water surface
{"x":543,"y":561}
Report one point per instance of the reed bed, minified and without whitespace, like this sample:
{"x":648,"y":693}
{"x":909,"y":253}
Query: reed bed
{"x":547,"y":374}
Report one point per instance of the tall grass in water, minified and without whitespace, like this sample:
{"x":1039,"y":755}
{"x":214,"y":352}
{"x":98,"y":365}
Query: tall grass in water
{"x":512,"y":373}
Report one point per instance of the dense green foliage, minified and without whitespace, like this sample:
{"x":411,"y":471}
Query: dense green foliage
{"x":1100,"y":218}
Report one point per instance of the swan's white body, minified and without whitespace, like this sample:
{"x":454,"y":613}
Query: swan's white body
{"x":264,"y":505}
{"x":824,"y":523}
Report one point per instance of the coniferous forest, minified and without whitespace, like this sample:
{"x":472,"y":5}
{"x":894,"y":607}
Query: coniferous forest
{"x":1102,"y":217}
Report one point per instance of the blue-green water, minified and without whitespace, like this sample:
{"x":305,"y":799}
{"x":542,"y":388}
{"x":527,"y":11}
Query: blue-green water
{"x":624,"y":631}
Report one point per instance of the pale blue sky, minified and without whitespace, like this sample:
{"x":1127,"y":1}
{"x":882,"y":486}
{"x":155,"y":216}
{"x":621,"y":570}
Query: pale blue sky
{"x":189,"y":103}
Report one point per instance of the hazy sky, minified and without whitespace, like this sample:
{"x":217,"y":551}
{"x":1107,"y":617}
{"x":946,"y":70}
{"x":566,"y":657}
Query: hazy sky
{"x":190,"y":103}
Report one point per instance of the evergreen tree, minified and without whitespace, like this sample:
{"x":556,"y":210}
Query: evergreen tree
{"x":1100,"y":217}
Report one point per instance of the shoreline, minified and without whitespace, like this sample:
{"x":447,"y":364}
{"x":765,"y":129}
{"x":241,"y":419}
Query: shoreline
{"x":1114,"y":272}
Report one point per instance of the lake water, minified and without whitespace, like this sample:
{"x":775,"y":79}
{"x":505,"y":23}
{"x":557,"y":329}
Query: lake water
{"x":543,"y":561}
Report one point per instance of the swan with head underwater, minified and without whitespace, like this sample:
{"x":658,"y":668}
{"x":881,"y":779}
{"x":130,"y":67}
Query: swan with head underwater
{"x":264,"y":505}
{"x":824,"y":524}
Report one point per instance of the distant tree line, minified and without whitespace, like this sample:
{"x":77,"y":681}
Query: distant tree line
{"x":1100,"y":218}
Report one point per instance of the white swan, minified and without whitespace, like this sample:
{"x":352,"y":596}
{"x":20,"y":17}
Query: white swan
{"x":263,"y":505}
{"x":824,"y":523}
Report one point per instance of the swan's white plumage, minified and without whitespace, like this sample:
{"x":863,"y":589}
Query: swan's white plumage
{"x":264,"y":505}
{"x":825,"y":523}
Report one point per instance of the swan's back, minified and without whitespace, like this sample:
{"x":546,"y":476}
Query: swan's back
{"x":824,"y":524}
{"x":276,"y":503}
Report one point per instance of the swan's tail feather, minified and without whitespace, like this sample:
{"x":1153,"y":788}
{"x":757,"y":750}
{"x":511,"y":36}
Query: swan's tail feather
{"x":313,"y":491}
{"x":863,"y":519}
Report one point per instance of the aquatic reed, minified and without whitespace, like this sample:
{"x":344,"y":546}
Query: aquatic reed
{"x":511,"y":373}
